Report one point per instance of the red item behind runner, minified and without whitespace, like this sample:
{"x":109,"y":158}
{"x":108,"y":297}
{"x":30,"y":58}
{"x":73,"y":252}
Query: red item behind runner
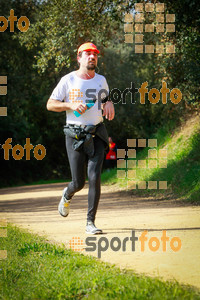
{"x":111,"y":154}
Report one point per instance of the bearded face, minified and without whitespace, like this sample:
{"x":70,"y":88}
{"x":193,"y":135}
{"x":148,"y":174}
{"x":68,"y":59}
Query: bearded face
{"x":89,"y":59}
{"x":91,"y":65}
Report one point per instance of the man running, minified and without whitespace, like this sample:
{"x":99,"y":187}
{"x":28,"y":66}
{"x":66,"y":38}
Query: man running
{"x":85,"y":132}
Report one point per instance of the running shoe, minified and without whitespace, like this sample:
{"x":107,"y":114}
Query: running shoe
{"x":64,"y":205}
{"x":92,"y":229}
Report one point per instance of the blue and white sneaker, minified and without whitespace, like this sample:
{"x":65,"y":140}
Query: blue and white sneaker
{"x":64,"y":205}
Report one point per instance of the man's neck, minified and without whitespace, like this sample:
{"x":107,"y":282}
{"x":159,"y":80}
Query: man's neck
{"x":85,"y":73}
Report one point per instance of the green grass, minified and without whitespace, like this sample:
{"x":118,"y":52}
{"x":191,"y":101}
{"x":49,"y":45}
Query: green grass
{"x":183,"y":166}
{"x":35,"y":269}
{"x":109,"y":177}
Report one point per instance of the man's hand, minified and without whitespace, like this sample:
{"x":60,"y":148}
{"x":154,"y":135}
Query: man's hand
{"x":108,"y":110}
{"x":79,"y":107}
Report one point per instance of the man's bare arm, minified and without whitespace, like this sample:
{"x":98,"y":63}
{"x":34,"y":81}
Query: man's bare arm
{"x":58,"y":106}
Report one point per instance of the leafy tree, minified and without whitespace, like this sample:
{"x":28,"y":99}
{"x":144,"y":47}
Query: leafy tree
{"x":35,"y":61}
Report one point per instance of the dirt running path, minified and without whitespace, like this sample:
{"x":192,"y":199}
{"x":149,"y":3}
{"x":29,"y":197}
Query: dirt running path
{"x":119,"y":213}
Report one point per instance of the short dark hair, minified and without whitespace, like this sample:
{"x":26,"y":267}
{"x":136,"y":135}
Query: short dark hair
{"x":79,"y":55}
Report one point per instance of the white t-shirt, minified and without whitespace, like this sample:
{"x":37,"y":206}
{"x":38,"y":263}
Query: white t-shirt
{"x":72,"y":88}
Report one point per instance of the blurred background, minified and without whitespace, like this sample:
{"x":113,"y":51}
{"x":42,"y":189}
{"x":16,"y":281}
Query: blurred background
{"x":34,"y":61}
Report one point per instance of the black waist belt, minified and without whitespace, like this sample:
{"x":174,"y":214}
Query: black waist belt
{"x":83,"y":136}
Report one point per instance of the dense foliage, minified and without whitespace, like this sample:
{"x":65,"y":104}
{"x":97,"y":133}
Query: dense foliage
{"x":35,"y":60}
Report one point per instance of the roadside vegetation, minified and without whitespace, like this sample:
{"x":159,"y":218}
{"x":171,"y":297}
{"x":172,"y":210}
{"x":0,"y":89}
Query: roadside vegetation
{"x":37,"y":269}
{"x":183,"y":161}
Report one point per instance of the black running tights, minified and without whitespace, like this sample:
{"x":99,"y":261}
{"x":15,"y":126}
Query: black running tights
{"x":79,"y":162}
